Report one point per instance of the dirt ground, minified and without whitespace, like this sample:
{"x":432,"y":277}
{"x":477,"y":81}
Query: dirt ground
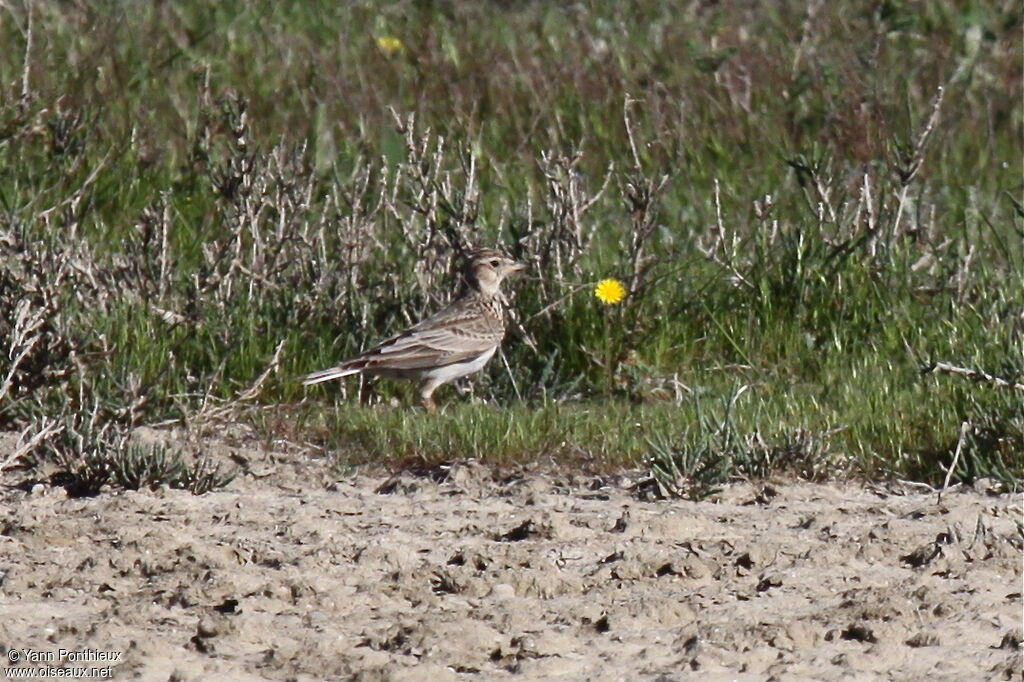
{"x":293,"y":572}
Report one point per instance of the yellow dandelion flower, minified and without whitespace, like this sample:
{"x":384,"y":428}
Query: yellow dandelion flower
{"x":610,"y":291}
{"x":389,"y":45}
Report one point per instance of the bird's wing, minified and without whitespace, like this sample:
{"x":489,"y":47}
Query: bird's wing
{"x":449,"y":337}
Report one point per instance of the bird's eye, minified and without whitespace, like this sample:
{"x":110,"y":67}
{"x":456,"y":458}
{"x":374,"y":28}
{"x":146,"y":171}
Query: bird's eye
{"x":495,"y":263}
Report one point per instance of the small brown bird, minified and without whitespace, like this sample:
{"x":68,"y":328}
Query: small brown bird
{"x":448,"y":345}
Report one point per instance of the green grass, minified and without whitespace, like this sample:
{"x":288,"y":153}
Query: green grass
{"x":594,"y":435}
{"x":185,"y":186}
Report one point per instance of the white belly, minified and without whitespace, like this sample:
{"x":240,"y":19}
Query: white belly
{"x":430,"y":378}
{"x":449,"y":373}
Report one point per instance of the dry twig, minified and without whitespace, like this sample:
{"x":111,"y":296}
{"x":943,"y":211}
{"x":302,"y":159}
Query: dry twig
{"x":974,"y":375}
{"x":965,"y":429}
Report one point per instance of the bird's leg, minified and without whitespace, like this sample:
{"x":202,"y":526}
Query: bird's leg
{"x":464,"y":388}
{"x":365,"y":391}
{"x":427,"y":395}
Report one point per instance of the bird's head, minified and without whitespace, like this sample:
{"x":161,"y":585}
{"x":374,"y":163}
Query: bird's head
{"x":486,"y":268}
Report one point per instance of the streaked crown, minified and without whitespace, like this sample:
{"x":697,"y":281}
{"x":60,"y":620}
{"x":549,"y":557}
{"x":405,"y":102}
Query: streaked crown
{"x":486,"y":268}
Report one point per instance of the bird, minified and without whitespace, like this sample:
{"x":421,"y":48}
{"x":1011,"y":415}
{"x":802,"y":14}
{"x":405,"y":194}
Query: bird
{"x":452,"y":343}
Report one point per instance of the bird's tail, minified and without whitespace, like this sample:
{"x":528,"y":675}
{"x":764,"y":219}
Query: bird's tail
{"x":343,"y":370}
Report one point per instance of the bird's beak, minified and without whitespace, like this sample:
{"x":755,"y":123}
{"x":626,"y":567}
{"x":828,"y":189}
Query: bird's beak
{"x":516,"y":267}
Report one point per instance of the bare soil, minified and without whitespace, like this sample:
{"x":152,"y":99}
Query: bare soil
{"x":295,"y":572}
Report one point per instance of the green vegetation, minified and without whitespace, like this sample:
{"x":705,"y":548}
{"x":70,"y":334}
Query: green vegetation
{"x":90,"y":460}
{"x":810,"y":205}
